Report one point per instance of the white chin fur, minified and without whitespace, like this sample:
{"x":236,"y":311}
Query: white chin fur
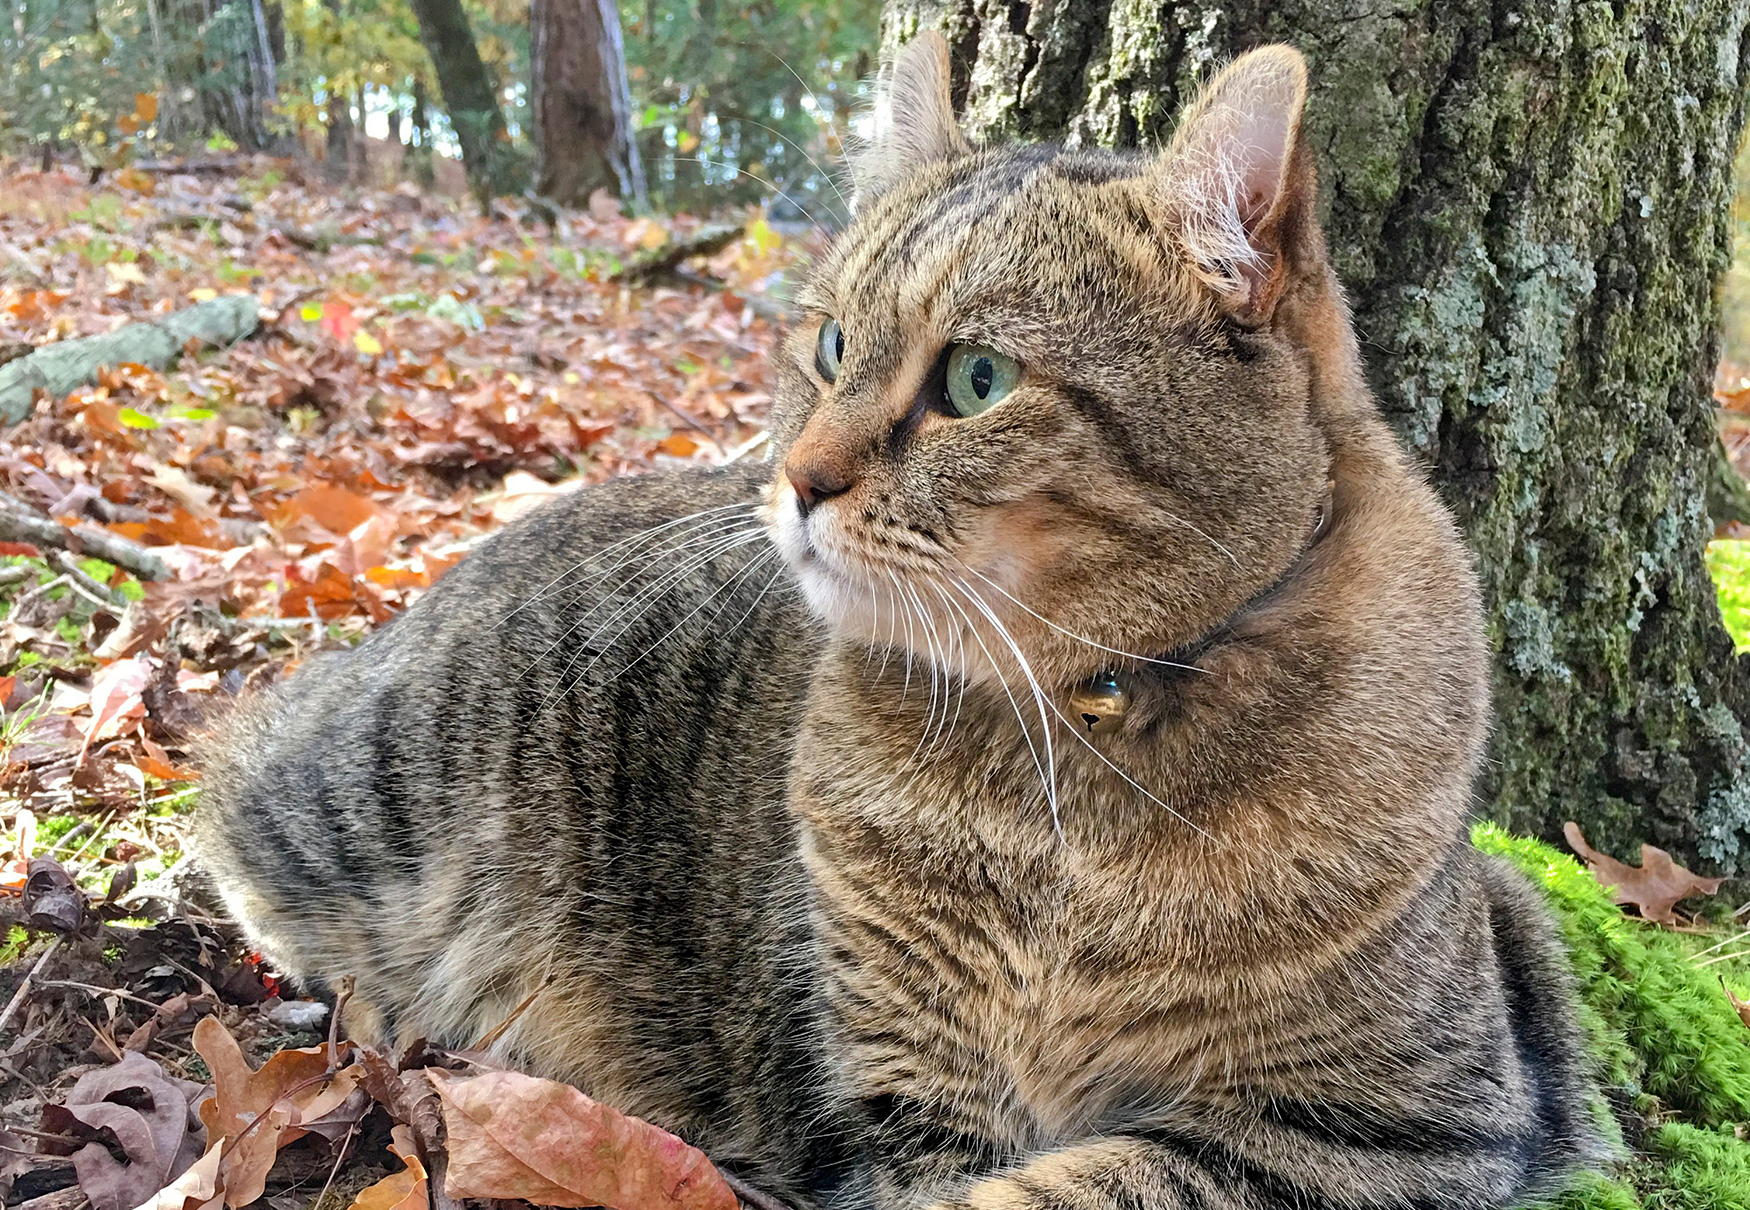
{"x":834,"y":597}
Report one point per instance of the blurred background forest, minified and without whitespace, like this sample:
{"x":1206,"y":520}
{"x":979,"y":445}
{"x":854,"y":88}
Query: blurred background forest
{"x":721,"y":103}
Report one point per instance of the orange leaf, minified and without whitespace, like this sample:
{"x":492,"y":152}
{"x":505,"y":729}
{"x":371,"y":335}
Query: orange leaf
{"x":338,"y":320}
{"x":515,"y":1136}
{"x":678,"y":444}
{"x":1654,"y":887}
{"x":145,"y":106}
{"x":259,"y":1111}
{"x":335,"y":509}
{"x":404,"y":1190}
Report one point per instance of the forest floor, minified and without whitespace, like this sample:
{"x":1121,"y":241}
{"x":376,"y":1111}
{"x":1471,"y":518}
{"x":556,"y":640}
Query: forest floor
{"x":419,"y":375}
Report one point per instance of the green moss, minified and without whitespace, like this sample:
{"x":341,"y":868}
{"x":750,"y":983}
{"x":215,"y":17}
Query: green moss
{"x":1665,"y":1039}
{"x":1728,"y":561}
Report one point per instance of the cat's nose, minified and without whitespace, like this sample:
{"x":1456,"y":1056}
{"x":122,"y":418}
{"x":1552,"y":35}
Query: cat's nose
{"x":814,"y":484}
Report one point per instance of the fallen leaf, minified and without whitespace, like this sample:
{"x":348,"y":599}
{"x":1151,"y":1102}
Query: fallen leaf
{"x":149,"y":1116}
{"x":259,"y":1112}
{"x":51,"y":899}
{"x":1654,"y":887}
{"x":404,"y":1190}
{"x":195,"y":1189}
{"x":515,"y":1136}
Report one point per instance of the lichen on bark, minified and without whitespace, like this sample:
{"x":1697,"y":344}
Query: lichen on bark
{"x":1528,"y":204}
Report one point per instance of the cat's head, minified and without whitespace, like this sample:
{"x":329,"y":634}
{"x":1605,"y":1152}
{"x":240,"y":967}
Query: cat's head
{"x":1058,"y":388}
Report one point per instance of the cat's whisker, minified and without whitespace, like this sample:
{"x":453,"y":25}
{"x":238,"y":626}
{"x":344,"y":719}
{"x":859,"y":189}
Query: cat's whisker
{"x":887,"y":651}
{"x":689,"y":159}
{"x":1129,"y":655}
{"x":713,"y":532}
{"x":1045,"y":780}
{"x":845,"y":216}
{"x":929,"y":642}
{"x":909,"y":640}
{"x":647,"y":597}
{"x":1178,"y":520}
{"x":541,"y":593}
{"x":1032,"y":681}
{"x":959,"y":637}
{"x":640,"y":562}
{"x":642,"y":602}
{"x":755,"y":562}
{"x":749,"y":611}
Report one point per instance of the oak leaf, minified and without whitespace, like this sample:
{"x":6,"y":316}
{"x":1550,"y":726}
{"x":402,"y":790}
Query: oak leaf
{"x":1654,"y":887}
{"x":258,"y":1112}
{"x":404,"y":1190}
{"x":146,"y":1112}
{"x":515,"y":1136}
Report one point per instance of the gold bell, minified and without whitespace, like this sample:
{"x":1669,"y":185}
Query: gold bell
{"x":1099,"y":703}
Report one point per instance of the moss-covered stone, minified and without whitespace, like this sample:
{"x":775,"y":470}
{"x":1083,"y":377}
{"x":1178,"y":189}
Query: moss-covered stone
{"x":1528,"y":202}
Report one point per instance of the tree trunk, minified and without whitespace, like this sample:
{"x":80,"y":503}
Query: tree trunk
{"x":1527,"y":202}
{"x":338,"y":152}
{"x":582,"y":105}
{"x":493,"y":165}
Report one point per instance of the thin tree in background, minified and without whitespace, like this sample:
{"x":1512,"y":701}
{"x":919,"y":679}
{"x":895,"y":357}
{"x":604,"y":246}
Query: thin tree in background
{"x":493,"y":165}
{"x":1529,"y":210}
{"x":581,"y":103}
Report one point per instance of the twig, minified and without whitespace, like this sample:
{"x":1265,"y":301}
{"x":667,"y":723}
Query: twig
{"x":24,"y":984}
{"x":97,"y":991}
{"x":342,"y":993}
{"x":690,"y":422}
{"x":339,"y":1159}
{"x":759,"y":1199}
{"x":497,"y":1031}
{"x":87,"y":585}
{"x":21,"y":523}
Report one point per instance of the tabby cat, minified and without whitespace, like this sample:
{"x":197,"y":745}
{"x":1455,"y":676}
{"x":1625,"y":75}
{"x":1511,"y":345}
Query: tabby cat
{"x":1042,"y":786}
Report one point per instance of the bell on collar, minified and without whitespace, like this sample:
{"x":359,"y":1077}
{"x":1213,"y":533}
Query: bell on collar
{"x":1099,"y":703}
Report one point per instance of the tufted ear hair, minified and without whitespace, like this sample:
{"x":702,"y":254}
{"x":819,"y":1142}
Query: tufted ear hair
{"x":1238,"y":183}
{"x":913,"y":119}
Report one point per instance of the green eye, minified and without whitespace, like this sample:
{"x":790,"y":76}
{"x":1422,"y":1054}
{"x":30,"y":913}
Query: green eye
{"x":978,"y":378}
{"x":829,"y":350}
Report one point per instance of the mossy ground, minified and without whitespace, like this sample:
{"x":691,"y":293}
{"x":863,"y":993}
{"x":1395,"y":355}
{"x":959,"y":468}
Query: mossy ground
{"x":1671,"y":1053}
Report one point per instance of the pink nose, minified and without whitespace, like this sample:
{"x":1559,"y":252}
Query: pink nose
{"x":814,"y":484}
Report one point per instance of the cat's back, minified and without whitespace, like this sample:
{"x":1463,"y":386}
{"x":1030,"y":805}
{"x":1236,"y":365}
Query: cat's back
{"x":432,"y":812}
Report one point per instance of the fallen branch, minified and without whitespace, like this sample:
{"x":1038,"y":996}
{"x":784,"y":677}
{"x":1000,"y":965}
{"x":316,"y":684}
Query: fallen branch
{"x":21,"y":523}
{"x":66,"y":364}
{"x":712,"y":237}
{"x":25,"y":983}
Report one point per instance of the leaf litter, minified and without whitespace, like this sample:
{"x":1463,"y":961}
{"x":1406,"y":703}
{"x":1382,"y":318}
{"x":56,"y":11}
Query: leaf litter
{"x":421,"y":375}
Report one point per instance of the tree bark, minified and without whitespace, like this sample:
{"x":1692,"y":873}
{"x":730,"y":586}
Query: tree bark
{"x":494,"y":168}
{"x":582,"y":105}
{"x":1528,"y":203}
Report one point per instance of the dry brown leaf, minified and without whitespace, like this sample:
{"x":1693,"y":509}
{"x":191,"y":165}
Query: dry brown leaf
{"x":1742,"y":1006}
{"x":1654,"y":887}
{"x":195,"y":1189}
{"x":515,"y":1136}
{"x":146,"y":1113}
{"x":404,"y":1190}
{"x":258,"y":1112}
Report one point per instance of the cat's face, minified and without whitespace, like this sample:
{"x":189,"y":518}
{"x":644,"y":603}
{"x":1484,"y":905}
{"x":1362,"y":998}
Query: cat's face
{"x":1017,"y":397}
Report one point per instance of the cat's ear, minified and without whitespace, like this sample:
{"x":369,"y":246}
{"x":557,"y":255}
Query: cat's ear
{"x":1238,"y":182}
{"x":912,"y":122}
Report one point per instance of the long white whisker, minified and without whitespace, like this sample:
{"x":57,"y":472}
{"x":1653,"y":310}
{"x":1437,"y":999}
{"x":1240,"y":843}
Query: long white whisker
{"x":593,"y":556}
{"x":1129,"y":655}
{"x":1032,"y":681}
{"x":1044,"y":780}
{"x":1136,"y":785}
{"x":752,"y":563}
{"x":692,"y":542}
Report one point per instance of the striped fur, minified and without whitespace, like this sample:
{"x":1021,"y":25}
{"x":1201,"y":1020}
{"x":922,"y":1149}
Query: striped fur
{"x":778,"y":840}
